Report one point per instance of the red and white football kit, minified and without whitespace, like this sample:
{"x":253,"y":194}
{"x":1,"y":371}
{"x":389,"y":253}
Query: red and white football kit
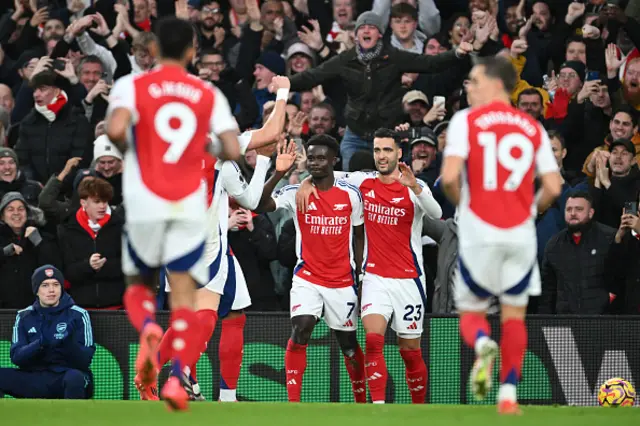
{"x":394,"y":282}
{"x":503,"y":149}
{"x":324,"y":278}
{"x":165,"y":199}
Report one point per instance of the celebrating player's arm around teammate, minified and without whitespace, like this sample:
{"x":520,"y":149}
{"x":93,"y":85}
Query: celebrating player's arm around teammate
{"x":492,"y":156}
{"x":324,"y":282}
{"x":394,"y":283}
{"x":226,"y":293}
{"x":167,"y":114}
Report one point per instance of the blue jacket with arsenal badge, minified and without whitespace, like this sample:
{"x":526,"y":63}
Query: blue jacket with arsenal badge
{"x":53,"y":339}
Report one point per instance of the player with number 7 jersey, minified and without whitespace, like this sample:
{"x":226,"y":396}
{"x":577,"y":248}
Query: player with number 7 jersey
{"x":164,"y":117}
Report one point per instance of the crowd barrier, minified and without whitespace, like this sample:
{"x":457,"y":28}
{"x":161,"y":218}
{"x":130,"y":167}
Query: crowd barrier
{"x":567,"y":358}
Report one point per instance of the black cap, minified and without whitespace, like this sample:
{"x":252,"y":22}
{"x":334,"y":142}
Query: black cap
{"x":629,"y":146}
{"x":577,"y":66}
{"x":426,"y":135}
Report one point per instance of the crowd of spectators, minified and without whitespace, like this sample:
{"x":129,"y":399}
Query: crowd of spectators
{"x":355,"y":66}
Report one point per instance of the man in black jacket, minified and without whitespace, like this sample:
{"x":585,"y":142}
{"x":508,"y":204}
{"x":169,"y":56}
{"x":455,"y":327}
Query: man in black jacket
{"x":52,"y":132}
{"x":372,"y":74}
{"x":577,"y":264}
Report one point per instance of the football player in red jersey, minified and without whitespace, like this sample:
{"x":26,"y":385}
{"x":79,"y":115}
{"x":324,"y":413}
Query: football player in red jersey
{"x":165,"y":115}
{"x":393,"y":286}
{"x":492,"y":157}
{"x":324,"y":282}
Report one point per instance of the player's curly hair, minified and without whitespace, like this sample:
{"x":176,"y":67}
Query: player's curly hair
{"x":324,"y":140}
{"x":96,"y":188}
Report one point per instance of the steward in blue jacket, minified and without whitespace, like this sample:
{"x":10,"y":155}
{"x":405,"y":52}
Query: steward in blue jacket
{"x":52,"y":344}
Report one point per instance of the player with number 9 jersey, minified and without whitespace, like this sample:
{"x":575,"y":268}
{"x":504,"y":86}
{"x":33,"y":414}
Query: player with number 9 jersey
{"x":166,"y":115}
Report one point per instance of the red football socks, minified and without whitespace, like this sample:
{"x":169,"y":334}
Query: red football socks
{"x":472,"y":327}
{"x":230,"y":351}
{"x":376,"y":368}
{"x":416,"y":374}
{"x":355,"y":368}
{"x":140,"y":304}
{"x":187,"y":338}
{"x":207,"y":319}
{"x":164,"y":350}
{"x":295,"y":362}
{"x":513,"y":345}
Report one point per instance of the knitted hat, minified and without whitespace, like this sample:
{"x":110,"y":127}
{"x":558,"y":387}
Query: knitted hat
{"x":300,"y":47}
{"x":369,"y":18}
{"x":272,"y":61}
{"x":45,"y":272}
{"x":80,"y":176}
{"x":10,"y":197}
{"x":8,"y":152}
{"x":577,"y":66}
{"x":102,"y":147}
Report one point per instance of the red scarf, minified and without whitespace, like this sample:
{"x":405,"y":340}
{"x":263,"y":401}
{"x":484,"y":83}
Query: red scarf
{"x":50,"y":112}
{"x":145,"y":25}
{"x":83,"y":219}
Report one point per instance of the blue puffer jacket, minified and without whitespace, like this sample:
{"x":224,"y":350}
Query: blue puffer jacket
{"x":53,"y":339}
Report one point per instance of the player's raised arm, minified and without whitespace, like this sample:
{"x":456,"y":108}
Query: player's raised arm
{"x":225,"y":128}
{"x":270,"y":132}
{"x":247,"y":196}
{"x":285,"y":160}
{"x":122,"y":112}
{"x":427,"y":203}
{"x":547,"y":169}
{"x":455,"y":154}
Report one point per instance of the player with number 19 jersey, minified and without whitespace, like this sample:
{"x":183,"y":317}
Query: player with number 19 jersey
{"x":172,"y":114}
{"x":503,"y":148}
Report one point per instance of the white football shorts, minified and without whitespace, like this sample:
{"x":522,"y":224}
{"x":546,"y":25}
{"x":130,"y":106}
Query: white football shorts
{"x":402,"y":301}
{"x":337,"y":306}
{"x":176,"y":245}
{"x":508,"y":271}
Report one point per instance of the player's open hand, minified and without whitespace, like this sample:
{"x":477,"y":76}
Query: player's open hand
{"x":279,"y":82}
{"x":406,"y":177}
{"x":304,"y":193}
{"x":286,"y":155}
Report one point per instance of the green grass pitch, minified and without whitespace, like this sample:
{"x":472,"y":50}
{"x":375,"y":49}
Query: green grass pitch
{"x":138,"y":413}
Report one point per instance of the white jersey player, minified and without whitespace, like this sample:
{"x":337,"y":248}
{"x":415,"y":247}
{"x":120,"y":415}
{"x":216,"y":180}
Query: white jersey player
{"x":497,"y":150}
{"x":225,"y":294}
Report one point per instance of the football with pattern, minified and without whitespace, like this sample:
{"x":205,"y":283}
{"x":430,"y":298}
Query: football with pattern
{"x":616,"y":392}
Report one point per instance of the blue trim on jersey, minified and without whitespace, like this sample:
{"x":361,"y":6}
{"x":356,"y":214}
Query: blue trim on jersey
{"x":299,"y":265}
{"x":423,"y":296}
{"x":229,"y":293}
{"x":473,"y":286}
{"x":415,"y":261}
{"x":186,"y":262}
{"x":214,"y":268}
{"x":521,"y":286}
{"x":340,"y":182}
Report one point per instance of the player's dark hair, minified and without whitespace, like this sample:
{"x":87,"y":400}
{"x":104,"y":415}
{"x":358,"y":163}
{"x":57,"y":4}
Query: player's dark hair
{"x":500,"y":68}
{"x":95,"y":187}
{"x":387,"y":133}
{"x":581,"y":194}
{"x":629,"y":111}
{"x":401,"y":10}
{"x":324,"y":140}
{"x":175,"y":36}
{"x":554,"y":134}
{"x":530,"y":91}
